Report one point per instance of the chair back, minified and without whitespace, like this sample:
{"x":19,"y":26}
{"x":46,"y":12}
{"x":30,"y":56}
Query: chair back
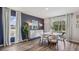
{"x":52,"y":37}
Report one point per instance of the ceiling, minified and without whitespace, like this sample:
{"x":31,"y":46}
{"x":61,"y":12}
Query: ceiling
{"x":45,"y":12}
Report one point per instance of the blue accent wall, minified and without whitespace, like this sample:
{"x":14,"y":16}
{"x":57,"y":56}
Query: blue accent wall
{"x":1,"y":27}
{"x":29,"y":18}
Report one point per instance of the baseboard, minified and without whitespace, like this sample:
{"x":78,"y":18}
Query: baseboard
{"x":34,"y":38}
{"x":23,"y":41}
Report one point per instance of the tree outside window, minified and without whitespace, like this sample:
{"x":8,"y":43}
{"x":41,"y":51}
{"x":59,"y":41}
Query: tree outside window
{"x":59,"y":26}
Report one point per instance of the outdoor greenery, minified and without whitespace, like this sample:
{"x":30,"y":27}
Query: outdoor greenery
{"x":59,"y":26}
{"x":25,"y":28}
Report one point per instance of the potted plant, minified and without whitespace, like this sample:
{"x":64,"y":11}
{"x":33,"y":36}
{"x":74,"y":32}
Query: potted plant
{"x":26,"y":30}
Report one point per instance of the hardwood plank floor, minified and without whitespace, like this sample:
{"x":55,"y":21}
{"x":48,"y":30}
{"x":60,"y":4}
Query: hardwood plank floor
{"x":34,"y":46}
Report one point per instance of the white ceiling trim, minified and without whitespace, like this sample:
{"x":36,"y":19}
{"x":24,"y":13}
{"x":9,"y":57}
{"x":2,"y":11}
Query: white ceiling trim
{"x":43,"y":13}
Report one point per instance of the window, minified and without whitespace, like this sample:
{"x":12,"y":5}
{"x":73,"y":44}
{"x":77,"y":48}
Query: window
{"x":59,"y":26}
{"x":12,"y":27}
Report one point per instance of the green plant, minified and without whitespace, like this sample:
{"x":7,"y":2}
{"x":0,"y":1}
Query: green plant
{"x":25,"y":28}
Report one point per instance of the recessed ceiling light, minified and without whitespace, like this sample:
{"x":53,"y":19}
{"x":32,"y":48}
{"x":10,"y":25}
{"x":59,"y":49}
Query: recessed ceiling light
{"x":46,"y":8}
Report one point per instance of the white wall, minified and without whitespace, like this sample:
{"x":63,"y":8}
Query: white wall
{"x":47,"y":27}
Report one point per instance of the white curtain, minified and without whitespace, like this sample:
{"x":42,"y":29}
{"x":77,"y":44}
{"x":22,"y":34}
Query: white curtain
{"x":69,"y":26}
{"x":18,"y":27}
{"x":6,"y":17}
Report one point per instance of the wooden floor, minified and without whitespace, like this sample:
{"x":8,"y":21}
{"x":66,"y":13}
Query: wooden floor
{"x":35,"y":46}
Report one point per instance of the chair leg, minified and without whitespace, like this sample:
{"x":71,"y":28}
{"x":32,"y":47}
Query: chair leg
{"x":41,"y":42}
{"x":45,"y":42}
{"x":57,"y":46}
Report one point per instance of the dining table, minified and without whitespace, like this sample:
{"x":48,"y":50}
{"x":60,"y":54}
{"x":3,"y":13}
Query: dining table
{"x":47,"y":35}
